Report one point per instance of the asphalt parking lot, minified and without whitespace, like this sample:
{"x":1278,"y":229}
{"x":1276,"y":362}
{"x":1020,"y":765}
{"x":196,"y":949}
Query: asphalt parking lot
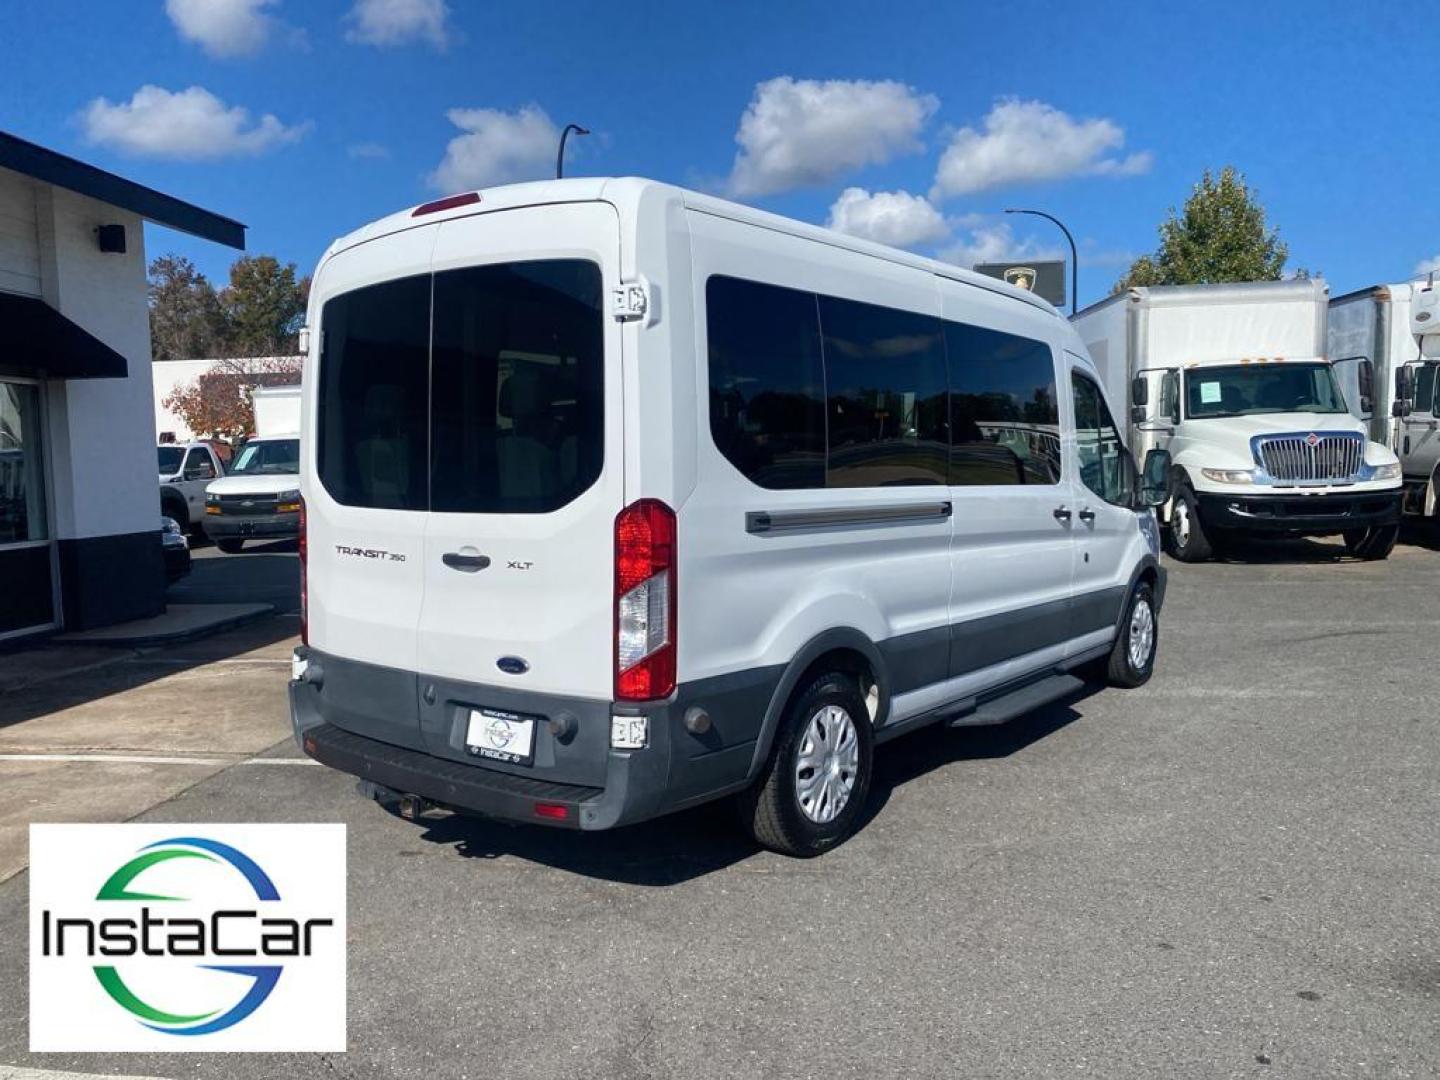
{"x":1234,"y":871}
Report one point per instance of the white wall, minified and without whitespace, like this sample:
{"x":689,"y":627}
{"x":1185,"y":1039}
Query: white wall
{"x":102,"y":442}
{"x":165,"y":377}
{"x":19,"y":240}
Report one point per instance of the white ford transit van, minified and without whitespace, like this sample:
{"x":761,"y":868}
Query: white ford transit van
{"x":621,"y":498}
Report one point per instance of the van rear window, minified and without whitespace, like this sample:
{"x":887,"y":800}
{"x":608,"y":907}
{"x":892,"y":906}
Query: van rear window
{"x":479,"y":390}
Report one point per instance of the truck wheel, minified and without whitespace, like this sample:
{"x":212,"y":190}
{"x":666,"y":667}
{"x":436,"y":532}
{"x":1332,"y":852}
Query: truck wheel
{"x":1373,"y":544}
{"x":1132,"y":657}
{"x":176,"y":510}
{"x":230,"y":547}
{"x":1188,"y":541}
{"x":814,"y":787}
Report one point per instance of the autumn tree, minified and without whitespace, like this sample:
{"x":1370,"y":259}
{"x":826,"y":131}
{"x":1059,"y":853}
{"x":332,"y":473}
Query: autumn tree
{"x":218,"y":404}
{"x":1220,"y":235}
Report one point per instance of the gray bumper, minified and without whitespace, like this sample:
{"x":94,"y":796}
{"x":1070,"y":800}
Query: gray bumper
{"x":243,"y":527}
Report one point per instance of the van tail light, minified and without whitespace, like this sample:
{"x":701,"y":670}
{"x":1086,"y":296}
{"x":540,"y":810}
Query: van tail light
{"x":304,"y":581}
{"x":645,"y":601}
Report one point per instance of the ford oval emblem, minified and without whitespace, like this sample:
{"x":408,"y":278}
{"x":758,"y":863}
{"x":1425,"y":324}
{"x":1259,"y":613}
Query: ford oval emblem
{"x":512,"y":665}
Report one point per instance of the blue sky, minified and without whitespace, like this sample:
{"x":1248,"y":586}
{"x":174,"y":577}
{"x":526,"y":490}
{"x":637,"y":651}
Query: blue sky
{"x":1103,"y":114}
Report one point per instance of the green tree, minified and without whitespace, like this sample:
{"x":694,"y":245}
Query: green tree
{"x":186,"y":320}
{"x":1220,"y":235}
{"x":264,"y":307}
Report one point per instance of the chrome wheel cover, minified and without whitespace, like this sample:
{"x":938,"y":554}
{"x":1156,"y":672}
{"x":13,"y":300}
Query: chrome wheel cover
{"x":1142,"y":634}
{"x":1182,"y":523}
{"x":826,"y":764}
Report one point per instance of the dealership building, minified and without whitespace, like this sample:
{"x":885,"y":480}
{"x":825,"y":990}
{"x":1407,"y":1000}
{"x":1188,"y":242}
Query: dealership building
{"x":79,"y":493}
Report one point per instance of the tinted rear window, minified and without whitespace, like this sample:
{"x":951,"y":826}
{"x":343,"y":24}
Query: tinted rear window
{"x":477,"y":390}
{"x":373,"y":430}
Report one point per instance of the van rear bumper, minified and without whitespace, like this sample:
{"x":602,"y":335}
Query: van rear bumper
{"x":1300,"y":515}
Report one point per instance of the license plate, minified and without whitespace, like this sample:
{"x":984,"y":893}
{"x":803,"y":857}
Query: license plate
{"x":501,"y":736}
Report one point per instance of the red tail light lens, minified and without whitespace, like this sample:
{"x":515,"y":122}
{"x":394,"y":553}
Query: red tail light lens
{"x":304,"y":582}
{"x":450,"y":202}
{"x":645,"y":601}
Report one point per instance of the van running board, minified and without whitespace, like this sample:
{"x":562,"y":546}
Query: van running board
{"x":1019,"y":701}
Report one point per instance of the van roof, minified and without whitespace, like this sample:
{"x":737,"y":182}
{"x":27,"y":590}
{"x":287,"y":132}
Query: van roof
{"x":627,"y":193}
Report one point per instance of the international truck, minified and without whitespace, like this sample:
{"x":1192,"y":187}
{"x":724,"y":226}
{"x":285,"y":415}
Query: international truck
{"x":1385,"y":340}
{"x":1235,"y":382}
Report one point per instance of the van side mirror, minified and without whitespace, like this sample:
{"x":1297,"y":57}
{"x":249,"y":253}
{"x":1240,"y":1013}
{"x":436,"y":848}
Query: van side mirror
{"x":1156,"y":481}
{"x":1139,"y":391}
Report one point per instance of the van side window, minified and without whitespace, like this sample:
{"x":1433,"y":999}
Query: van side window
{"x":517,"y":387}
{"x":886,"y":396}
{"x":767,"y":387}
{"x":1005,"y":420}
{"x":374,"y":375}
{"x":1105,"y":466}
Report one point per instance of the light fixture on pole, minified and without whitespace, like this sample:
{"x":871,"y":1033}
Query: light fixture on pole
{"x":1074,"y":256}
{"x":560,"y":157}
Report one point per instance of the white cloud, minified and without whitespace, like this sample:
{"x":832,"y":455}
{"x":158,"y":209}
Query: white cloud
{"x":802,"y":132}
{"x":984,"y":241}
{"x":367,"y":150}
{"x":896,"y":218}
{"x":190,"y":124}
{"x":1027,"y":141}
{"x":497,"y":148}
{"x":1425,"y":266}
{"x":399,"y":22}
{"x":223,"y":28}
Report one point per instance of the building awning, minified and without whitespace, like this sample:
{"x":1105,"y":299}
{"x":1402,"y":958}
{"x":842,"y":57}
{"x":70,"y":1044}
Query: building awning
{"x":36,"y":340}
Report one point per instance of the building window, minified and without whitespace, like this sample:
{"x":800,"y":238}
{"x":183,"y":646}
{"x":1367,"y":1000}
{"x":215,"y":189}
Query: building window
{"x":22,"y":477}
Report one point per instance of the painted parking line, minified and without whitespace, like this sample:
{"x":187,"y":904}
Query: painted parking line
{"x":16,"y":1072}
{"x":156,"y":759}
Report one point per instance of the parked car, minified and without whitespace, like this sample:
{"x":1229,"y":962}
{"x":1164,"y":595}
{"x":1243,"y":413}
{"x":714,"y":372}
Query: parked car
{"x":185,"y":471}
{"x":175,"y":548}
{"x":260,"y":498}
{"x":621,"y":498}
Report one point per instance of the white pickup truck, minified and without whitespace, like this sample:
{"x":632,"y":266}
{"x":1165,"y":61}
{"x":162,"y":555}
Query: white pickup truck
{"x":186,"y":469}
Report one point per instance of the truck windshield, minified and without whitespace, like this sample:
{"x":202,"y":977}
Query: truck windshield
{"x":270,"y":456}
{"x":170,"y":459}
{"x":1250,"y":389}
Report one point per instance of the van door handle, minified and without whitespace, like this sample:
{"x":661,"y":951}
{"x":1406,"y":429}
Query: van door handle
{"x":1087,"y":516}
{"x":1062,"y":513}
{"x":467,"y":564}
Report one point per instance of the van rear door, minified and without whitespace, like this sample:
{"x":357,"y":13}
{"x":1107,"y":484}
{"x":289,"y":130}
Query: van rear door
{"x":526,"y":462}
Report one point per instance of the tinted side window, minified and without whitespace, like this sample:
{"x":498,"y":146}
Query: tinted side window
{"x":767,"y":388}
{"x":1425,"y":383}
{"x":1005,"y":422}
{"x":373,"y":428}
{"x":886,"y":396}
{"x":1105,"y":465}
{"x":518,"y":384}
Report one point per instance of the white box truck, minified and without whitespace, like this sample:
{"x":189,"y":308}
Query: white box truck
{"x":1385,"y":342}
{"x":1233,"y":380}
{"x":260,"y":497}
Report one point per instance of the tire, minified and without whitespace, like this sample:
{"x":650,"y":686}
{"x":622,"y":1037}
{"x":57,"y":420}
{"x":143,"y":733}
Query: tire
{"x":779,"y":810}
{"x":1188,"y":541}
{"x":229,"y":546}
{"x":178,"y":511}
{"x":1372,"y":544}
{"x":1132,"y":657}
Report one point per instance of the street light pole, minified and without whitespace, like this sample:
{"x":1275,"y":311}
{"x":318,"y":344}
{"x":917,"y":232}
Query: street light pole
{"x":560,"y":157}
{"x":1074,"y":255}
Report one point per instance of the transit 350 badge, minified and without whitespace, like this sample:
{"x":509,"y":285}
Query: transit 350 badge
{"x":187,"y":938}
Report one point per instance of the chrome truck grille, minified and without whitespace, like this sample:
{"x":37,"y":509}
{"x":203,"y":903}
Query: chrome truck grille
{"x":1312,"y":457}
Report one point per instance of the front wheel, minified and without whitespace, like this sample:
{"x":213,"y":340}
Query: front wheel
{"x":1188,"y":541}
{"x":1132,"y":657}
{"x":230,"y":547}
{"x":814,"y":787}
{"x":1373,"y":544}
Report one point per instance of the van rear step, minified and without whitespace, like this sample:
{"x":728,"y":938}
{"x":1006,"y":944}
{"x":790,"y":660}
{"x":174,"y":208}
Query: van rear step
{"x":1019,"y":701}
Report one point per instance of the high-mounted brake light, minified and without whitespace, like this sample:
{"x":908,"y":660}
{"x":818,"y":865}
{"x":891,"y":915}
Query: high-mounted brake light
{"x":645,"y":601}
{"x":450,"y":202}
{"x":304,"y":582}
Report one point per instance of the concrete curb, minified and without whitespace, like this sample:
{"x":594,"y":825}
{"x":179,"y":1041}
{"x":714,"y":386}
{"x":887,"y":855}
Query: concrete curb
{"x":180,"y":623}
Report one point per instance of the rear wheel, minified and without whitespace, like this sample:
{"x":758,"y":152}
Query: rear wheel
{"x":1188,"y":540}
{"x":230,"y":546}
{"x":814,"y":787}
{"x":1132,"y":657}
{"x":177,"y":511}
{"x":1372,"y":544}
